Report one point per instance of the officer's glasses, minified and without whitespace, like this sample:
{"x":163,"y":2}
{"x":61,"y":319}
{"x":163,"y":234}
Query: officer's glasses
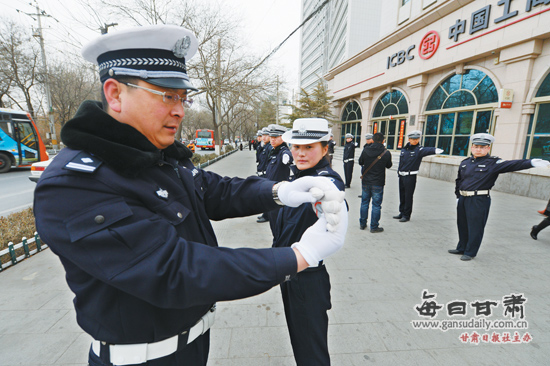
{"x":167,"y":97}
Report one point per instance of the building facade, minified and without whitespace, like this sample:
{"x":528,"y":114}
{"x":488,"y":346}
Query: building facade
{"x":340,"y":30}
{"x":452,"y":69}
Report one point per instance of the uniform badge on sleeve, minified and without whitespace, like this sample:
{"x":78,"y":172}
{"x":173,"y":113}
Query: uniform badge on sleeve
{"x":162,"y":193}
{"x":286,"y":159}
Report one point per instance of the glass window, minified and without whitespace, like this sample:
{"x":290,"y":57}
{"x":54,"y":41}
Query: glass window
{"x":447,"y":123}
{"x":437,"y":99}
{"x":452,"y":83}
{"x":544,"y":90}
{"x":390,"y":142}
{"x":391,"y":104}
{"x":471,"y":78}
{"x":431,"y":124}
{"x":390,"y":110}
{"x":445,"y":144}
{"x":383,"y":127}
{"x":460,"y":98}
{"x":543,"y":119}
{"x":460,"y":145}
{"x":483,"y":121}
{"x":464,"y":123}
{"x":391,"y":127}
{"x":352,"y":112}
{"x":403,"y":2}
{"x":486,"y":92}
{"x":430,"y":141}
{"x":540,"y":148}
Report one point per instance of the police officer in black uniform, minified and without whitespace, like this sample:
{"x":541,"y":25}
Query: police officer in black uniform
{"x":409,"y":164}
{"x":349,"y":155}
{"x":368,"y":140}
{"x":476,"y":176}
{"x":331,"y":145}
{"x":262,"y":157}
{"x":129,"y":215}
{"x":278,"y":165}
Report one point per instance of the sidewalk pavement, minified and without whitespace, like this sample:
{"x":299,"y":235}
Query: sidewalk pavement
{"x":377,"y":281}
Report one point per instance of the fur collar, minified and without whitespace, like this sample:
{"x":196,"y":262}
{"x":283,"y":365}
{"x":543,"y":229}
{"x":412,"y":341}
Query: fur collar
{"x":119,"y":145}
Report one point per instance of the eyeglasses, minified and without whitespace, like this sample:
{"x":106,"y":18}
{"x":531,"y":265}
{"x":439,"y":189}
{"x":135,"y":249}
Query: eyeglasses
{"x":167,"y":97}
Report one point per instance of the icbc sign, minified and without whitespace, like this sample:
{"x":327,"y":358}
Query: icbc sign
{"x":429,"y":44}
{"x":428,"y":47}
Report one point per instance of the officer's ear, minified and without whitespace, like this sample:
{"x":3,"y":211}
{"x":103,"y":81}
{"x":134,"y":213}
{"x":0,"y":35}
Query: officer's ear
{"x":112,"y":90}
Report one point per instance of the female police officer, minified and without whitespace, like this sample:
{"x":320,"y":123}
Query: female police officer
{"x":128,"y":214}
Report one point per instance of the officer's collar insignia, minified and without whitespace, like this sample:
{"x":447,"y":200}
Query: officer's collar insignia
{"x":500,"y":161}
{"x":323,"y":172}
{"x":195,"y":172}
{"x":182,"y":47}
{"x":162,"y":193}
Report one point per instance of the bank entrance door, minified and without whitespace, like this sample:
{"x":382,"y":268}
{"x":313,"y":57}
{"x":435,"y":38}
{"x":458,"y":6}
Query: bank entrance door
{"x":393,"y":130}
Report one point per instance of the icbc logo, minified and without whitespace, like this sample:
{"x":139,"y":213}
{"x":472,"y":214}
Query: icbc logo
{"x":428,"y":47}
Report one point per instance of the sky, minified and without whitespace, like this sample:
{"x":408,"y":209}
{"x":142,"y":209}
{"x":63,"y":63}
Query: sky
{"x":265,"y":24}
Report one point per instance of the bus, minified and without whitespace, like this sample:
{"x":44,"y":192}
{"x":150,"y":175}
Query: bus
{"x":205,"y":139}
{"x":20,"y":143}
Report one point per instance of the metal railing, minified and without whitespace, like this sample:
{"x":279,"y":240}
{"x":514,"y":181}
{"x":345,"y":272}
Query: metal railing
{"x":14,"y":259}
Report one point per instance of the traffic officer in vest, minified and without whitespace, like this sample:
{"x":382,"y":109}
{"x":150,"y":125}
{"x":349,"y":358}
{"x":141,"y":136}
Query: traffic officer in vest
{"x":349,"y":155}
{"x":476,"y":176}
{"x":409,"y":164}
{"x":278,"y":165}
{"x":129,"y":214}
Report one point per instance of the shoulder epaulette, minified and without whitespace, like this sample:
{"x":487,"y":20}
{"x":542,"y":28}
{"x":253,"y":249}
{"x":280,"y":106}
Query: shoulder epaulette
{"x":83,"y":162}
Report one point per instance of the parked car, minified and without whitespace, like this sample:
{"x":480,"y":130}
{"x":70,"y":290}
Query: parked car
{"x":37,"y":169}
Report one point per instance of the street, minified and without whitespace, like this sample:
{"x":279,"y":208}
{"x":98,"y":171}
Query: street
{"x":16,"y":191}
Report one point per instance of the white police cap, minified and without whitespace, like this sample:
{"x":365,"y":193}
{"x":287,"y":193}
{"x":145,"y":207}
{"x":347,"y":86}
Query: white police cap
{"x":259,"y":133}
{"x":349,"y":136}
{"x":276,"y":130}
{"x":368,"y":136}
{"x":414,"y":134}
{"x":307,"y":131}
{"x":154,"y":53}
{"x":265,"y":131}
{"x":482,"y":139}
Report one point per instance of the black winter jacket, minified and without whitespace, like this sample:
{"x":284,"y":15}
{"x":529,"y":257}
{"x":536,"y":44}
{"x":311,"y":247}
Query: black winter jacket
{"x":376,"y":176}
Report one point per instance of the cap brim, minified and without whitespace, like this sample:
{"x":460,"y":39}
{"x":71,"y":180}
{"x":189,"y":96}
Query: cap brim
{"x":287,"y":137}
{"x":171,"y":83}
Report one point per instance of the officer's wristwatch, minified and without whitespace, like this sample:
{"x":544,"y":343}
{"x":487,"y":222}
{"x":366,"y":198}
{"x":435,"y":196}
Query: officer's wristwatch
{"x":275,"y":192}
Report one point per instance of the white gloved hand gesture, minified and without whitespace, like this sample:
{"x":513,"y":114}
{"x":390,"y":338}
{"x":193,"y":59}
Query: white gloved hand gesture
{"x":300,"y":191}
{"x":438,"y":151}
{"x":329,"y":206}
{"x":537,"y":163}
{"x":317,"y":243}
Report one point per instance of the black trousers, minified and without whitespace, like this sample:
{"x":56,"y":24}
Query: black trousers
{"x":348,"y":172}
{"x":306,"y":298}
{"x":472,"y":214}
{"x":407,"y":185}
{"x":193,"y":354}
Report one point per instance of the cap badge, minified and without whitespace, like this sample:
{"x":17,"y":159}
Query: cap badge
{"x":182,"y":46}
{"x":302,"y":129}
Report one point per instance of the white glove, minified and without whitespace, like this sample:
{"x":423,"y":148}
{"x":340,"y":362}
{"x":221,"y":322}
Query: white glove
{"x":438,"y":151}
{"x":330,"y":206}
{"x":317,"y":243}
{"x":295,"y":193}
{"x":539,"y":163}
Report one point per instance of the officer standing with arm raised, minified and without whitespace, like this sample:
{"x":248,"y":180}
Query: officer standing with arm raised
{"x":409,"y":164}
{"x":349,"y":156}
{"x":476,"y":176}
{"x":129,"y":215}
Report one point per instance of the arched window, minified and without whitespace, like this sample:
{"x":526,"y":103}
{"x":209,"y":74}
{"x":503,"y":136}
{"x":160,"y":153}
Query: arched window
{"x":391,"y":104}
{"x":538,"y":135}
{"x":352,"y":112}
{"x":351,"y":122}
{"x":460,"y":106}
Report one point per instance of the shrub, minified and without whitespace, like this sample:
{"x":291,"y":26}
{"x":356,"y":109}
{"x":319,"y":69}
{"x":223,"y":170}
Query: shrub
{"x":13,"y":228}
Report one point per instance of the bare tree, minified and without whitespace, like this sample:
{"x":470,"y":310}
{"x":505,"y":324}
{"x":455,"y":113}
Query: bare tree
{"x":19,"y":63}
{"x":70,"y":85}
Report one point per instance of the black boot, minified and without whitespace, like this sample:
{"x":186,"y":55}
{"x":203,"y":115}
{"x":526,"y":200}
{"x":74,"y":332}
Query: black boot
{"x":534,"y":232}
